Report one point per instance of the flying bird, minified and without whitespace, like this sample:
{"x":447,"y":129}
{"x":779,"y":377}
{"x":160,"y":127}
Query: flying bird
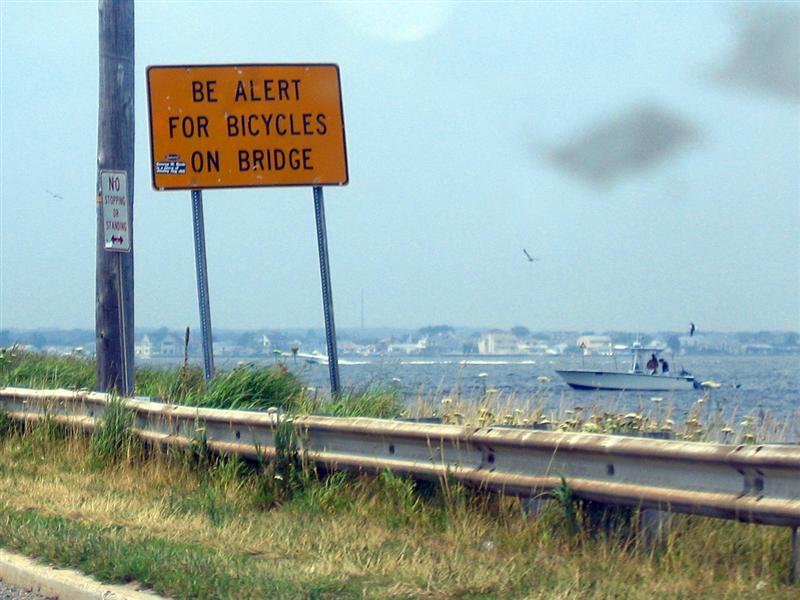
{"x":691,"y":329}
{"x":54,"y":195}
{"x":529,"y":257}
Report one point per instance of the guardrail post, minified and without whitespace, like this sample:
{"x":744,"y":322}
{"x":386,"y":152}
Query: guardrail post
{"x":535,"y":506}
{"x":654,"y":526}
{"x":795,"y":556}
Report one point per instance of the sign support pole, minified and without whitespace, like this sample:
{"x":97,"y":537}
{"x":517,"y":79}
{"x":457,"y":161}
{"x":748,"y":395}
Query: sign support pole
{"x":327,"y":295}
{"x":202,"y":283}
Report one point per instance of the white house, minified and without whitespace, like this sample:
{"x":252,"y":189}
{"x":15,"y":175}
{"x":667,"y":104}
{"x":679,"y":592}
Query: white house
{"x":144,"y":349}
{"x":169,"y":346}
{"x":497,"y":341}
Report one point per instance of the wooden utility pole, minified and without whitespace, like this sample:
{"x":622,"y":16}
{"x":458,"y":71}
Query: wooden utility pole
{"x":115,"y":148}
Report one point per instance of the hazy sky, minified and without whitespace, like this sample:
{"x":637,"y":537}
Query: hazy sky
{"x":647,"y":153}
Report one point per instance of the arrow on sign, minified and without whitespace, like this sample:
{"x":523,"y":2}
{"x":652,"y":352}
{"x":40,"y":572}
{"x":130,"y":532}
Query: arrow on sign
{"x":116,"y":240}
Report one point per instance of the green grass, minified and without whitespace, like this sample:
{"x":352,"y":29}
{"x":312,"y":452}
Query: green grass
{"x":25,"y":369}
{"x":194,"y":527}
{"x":372,"y":401}
{"x":175,"y":385}
{"x":105,"y":552}
{"x":249,"y":388}
{"x":243,"y":388}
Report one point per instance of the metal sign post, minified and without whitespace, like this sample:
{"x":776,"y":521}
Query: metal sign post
{"x":202,"y":283}
{"x":327,"y":294}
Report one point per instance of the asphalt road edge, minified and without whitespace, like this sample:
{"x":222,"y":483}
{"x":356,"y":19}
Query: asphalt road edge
{"x":65,"y":584}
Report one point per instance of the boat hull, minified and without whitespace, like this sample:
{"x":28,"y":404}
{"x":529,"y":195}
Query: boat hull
{"x":581,"y":379}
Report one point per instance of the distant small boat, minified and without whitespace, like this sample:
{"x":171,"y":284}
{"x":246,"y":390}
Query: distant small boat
{"x":638,"y":378}
{"x":314,"y":358}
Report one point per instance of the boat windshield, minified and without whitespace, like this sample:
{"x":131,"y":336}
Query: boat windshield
{"x":641,"y":356}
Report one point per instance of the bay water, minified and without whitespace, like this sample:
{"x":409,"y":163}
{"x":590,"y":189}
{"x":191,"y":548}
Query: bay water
{"x":761,"y":387}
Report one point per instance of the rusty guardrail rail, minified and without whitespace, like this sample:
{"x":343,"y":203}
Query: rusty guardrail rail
{"x":751,"y":483}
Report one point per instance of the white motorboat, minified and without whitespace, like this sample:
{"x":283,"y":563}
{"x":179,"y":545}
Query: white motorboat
{"x":314,"y":358}
{"x":642,"y":375}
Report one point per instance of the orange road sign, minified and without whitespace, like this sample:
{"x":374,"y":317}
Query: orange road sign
{"x":225,"y":126}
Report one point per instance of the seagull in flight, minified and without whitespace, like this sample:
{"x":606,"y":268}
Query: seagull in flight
{"x":529,"y":257}
{"x":54,"y":195}
{"x":691,"y":329}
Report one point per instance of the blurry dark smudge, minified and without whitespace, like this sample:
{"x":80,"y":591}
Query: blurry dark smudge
{"x":626,"y":144}
{"x":767,"y":54}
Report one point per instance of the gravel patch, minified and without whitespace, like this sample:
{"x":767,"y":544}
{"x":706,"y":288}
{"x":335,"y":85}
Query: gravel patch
{"x":11,"y":593}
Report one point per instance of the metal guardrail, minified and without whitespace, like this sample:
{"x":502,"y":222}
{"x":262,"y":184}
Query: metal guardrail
{"x":751,"y":483}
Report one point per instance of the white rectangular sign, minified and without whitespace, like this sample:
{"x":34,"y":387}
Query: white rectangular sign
{"x":114,"y":195}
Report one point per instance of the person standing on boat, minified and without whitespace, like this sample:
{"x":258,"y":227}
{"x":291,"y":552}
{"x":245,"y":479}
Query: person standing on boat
{"x":652,"y":364}
{"x":664,"y":366}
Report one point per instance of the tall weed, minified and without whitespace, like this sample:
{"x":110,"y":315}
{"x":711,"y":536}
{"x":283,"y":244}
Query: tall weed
{"x":42,"y":437}
{"x":398,"y":498}
{"x":8,"y":425}
{"x":568,"y":504}
{"x":288,"y":472}
{"x":113,"y":439}
{"x":173,"y":385}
